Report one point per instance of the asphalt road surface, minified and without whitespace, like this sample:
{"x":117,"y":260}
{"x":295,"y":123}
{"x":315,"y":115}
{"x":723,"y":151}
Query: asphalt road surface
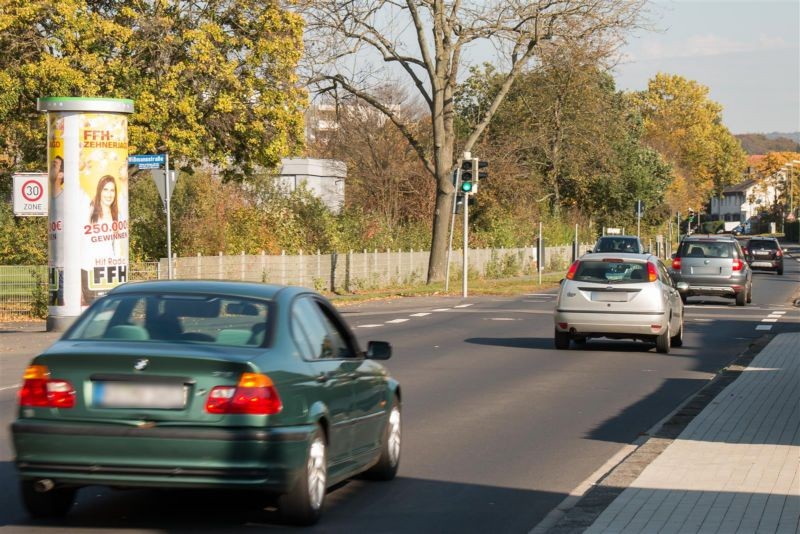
{"x":499,"y":427}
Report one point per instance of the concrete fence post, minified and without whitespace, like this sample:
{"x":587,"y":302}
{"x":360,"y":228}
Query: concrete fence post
{"x":241,"y":266}
{"x":264,"y":277}
{"x":199,"y":267}
{"x":283,"y":267}
{"x":219,"y":266}
{"x":302,"y":268}
{"x":348,"y":271}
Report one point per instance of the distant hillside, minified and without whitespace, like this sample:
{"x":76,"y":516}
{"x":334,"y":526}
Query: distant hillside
{"x":772,"y":142}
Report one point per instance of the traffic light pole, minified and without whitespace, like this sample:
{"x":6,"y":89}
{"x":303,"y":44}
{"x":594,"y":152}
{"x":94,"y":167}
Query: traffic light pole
{"x":465,"y":267}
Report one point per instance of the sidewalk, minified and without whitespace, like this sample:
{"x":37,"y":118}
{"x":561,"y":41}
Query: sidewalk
{"x":734,"y":468}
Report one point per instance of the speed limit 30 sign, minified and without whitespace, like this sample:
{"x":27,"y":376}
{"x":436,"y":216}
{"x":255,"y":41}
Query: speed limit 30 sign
{"x":30,"y":194}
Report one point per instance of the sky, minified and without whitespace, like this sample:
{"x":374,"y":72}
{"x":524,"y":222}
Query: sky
{"x":747,"y":52}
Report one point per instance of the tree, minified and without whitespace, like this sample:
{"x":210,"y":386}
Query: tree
{"x":343,"y":33}
{"x":213,"y":81}
{"x":685,"y":127}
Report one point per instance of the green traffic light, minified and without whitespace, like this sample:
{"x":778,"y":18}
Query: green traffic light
{"x":466,"y":187}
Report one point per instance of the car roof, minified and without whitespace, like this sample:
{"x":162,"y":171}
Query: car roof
{"x":762,"y":238}
{"x":618,"y":237}
{"x":214,"y":287}
{"x":709,"y":237}
{"x":600,"y":256}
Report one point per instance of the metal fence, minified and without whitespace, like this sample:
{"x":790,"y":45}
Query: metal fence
{"x":22,"y":288}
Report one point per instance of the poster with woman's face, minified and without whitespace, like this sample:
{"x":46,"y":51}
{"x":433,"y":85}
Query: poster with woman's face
{"x":103,"y":176}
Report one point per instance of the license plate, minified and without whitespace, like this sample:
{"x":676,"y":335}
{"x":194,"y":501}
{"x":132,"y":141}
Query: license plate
{"x":762,"y":264}
{"x":609,"y":296}
{"x":139,"y":395}
{"x":762,"y":253}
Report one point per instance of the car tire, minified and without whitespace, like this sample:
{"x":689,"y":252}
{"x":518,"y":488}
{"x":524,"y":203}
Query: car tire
{"x":677,"y":339}
{"x":561,"y":340}
{"x":52,"y":504}
{"x":780,"y":271}
{"x":684,"y":298}
{"x":662,"y":342}
{"x":750,"y":293}
{"x":580,"y":340}
{"x":741,"y":298}
{"x":389,"y":459}
{"x":302,"y":505}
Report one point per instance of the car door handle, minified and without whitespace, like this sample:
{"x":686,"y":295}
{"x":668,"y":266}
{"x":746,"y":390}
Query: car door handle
{"x":323,"y":377}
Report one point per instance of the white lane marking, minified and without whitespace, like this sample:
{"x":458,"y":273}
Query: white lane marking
{"x":442,"y":309}
{"x":422,"y":314}
{"x":778,"y":313}
{"x":503,"y":319}
{"x":699,"y":320}
{"x":764,"y":327}
{"x":369,"y":325}
{"x":395,"y":321}
{"x":9,"y":387}
{"x":769,"y":320}
{"x":462,"y":305}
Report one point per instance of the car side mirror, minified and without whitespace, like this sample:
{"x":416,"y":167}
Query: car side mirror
{"x":673,"y":255}
{"x":561,"y":282}
{"x":379,"y":350}
{"x":682,"y":286}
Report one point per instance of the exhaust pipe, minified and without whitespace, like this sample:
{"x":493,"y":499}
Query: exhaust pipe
{"x":44,"y":485}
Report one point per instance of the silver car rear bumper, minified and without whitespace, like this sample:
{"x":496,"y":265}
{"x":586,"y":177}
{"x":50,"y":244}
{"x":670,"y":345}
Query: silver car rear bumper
{"x":639,"y":324}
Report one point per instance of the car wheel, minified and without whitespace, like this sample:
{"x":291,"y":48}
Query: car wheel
{"x":580,"y":341}
{"x":662,"y":341}
{"x":302,"y":505}
{"x":780,"y":271}
{"x":741,"y":297}
{"x":750,"y":293}
{"x":683,"y":298}
{"x":49,"y":504}
{"x":389,"y":460}
{"x":677,"y":339}
{"x":562,"y":340}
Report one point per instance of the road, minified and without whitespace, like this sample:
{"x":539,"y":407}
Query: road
{"x":499,"y":427}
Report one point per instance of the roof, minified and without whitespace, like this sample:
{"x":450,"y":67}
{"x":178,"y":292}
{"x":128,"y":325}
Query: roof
{"x":205,"y":287}
{"x":740,"y":187}
{"x":600,"y":256}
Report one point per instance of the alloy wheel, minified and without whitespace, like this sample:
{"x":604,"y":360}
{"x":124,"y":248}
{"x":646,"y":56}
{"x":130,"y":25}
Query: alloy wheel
{"x":394,"y":436}
{"x":317,"y":473}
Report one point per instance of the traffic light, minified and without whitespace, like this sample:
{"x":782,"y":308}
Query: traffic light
{"x":482,"y":175}
{"x":468,"y":171}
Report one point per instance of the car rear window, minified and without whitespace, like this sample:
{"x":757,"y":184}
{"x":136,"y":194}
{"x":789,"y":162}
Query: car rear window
{"x":617,"y":244}
{"x":707,"y":249}
{"x":767,"y":244}
{"x":176,"y":318}
{"x":616,"y":272}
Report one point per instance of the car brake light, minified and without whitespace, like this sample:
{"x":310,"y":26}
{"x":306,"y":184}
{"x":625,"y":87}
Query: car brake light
{"x":737,"y":264}
{"x":652,"y":274}
{"x":41,"y":391}
{"x":778,"y":253}
{"x":676,"y":263}
{"x":255,"y":394}
{"x":572,"y":269}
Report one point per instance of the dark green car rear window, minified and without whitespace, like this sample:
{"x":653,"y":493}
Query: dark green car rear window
{"x":211,"y":319}
{"x":611,"y":272}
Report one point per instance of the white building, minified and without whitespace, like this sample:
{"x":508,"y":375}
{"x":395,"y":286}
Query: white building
{"x":742,"y":201}
{"x":322,"y":177}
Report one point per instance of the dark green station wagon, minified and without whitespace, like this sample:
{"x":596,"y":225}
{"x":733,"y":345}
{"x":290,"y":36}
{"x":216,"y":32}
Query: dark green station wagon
{"x":195,"y":384}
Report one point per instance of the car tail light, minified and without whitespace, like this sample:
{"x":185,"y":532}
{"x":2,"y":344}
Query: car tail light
{"x":563,"y":326}
{"x":778,"y":253}
{"x":255,"y":394}
{"x":572,"y":269}
{"x":676,"y":263}
{"x":737,"y":264}
{"x":652,"y":274}
{"x":39,"y":390}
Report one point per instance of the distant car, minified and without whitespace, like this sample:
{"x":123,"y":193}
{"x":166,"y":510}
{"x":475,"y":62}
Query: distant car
{"x":220,"y":385}
{"x":713,"y":265}
{"x":764,"y":253}
{"x":619,"y":296}
{"x":619,"y":244}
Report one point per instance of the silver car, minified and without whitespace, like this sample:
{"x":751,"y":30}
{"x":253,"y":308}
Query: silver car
{"x":619,"y":296}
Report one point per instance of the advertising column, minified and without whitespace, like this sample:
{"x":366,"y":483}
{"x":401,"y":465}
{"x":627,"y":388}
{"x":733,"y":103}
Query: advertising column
{"x":87,"y":151}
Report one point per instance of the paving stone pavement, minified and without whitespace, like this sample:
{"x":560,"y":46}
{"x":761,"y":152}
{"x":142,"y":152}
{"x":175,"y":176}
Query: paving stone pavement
{"x":734,"y":469}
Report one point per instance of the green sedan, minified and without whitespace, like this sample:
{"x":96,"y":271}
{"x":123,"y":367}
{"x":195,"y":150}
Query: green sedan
{"x":203,"y":384}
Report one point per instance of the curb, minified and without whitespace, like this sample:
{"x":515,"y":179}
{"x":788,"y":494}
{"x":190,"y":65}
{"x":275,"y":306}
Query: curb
{"x":576,"y":513}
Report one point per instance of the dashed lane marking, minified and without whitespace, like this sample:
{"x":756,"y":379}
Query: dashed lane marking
{"x":462,"y":305}
{"x":395,"y":321}
{"x":369,"y":325}
{"x":764,"y":327}
{"x":769,"y":320}
{"x":421,"y":314}
{"x":442,"y":309}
